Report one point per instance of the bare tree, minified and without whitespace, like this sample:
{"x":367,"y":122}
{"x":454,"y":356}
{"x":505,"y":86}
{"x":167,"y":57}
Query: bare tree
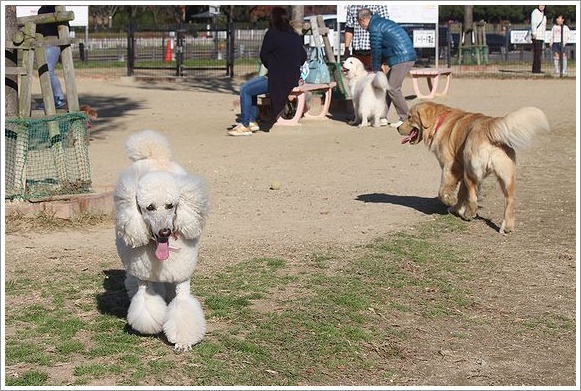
{"x":10,"y":60}
{"x":103,"y":14}
{"x":298,"y":12}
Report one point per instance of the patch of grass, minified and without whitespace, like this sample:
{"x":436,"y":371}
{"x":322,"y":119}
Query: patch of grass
{"x":97,"y":370}
{"x":31,"y":378}
{"x":274,"y":323}
{"x":46,"y":222}
{"x":551,"y":324}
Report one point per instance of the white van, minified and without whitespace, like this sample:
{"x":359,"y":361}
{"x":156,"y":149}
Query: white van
{"x":336,"y":35}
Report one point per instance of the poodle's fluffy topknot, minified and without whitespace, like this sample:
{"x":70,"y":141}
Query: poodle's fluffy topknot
{"x":147,"y":144}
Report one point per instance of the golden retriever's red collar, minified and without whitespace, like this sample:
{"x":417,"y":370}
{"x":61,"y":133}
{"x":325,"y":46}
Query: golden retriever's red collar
{"x":440,"y":119}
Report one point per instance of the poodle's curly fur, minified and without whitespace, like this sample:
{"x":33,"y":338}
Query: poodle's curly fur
{"x":160,"y":211}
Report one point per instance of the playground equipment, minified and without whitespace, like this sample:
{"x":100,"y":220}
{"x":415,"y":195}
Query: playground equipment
{"x":45,"y":156}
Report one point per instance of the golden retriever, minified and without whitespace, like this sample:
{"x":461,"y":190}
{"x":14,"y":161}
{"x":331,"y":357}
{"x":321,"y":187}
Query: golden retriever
{"x":469,"y":146}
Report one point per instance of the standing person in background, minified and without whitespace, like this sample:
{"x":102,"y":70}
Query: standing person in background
{"x":559,"y":29}
{"x":357,"y":36}
{"x":282,"y":53}
{"x":538,"y":28}
{"x":53,"y":54}
{"x":390,"y":44}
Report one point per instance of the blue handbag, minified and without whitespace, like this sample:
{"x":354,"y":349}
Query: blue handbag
{"x":318,"y":69}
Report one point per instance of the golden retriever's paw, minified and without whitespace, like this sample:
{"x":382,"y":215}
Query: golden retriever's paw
{"x":505,"y":228}
{"x":448,"y":199}
{"x":461,"y":211}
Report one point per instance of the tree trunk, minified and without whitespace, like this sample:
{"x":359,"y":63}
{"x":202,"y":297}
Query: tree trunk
{"x":467,"y":27}
{"x":10,"y":60}
{"x":298,"y":13}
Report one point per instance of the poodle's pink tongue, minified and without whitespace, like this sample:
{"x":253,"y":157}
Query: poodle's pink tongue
{"x":162,"y":251}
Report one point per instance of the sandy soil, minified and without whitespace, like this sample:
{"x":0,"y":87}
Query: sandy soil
{"x":342,"y":186}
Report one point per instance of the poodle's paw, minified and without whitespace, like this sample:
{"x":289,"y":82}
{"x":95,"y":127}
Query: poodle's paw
{"x":184,"y":324}
{"x":146,"y":312}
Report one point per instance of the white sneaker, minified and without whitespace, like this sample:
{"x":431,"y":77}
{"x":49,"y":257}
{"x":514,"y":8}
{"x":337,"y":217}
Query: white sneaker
{"x":240,"y":130}
{"x":254,"y":126}
{"x":396,"y":124}
{"x":383,"y":121}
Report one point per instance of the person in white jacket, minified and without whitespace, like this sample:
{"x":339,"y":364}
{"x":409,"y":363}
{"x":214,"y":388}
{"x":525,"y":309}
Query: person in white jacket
{"x":538,"y":28}
{"x":559,"y":31}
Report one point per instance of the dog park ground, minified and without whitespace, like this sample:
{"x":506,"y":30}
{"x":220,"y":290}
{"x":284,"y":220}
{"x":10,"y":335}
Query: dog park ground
{"x":449,"y":302}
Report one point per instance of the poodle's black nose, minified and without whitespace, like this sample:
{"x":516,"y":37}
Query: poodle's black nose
{"x":164,"y":233}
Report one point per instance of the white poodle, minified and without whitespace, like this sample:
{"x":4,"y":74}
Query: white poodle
{"x":160,"y":211}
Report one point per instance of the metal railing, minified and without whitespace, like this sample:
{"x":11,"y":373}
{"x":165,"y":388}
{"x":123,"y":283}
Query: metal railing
{"x":184,"y":52}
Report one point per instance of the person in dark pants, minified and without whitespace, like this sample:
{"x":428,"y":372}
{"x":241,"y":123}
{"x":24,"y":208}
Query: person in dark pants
{"x":538,"y":27}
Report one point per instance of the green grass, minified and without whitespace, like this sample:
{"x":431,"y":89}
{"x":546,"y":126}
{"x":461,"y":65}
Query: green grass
{"x":326,"y":319}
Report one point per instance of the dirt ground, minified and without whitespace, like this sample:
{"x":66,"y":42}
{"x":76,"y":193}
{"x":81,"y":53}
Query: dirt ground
{"x":342,"y":187}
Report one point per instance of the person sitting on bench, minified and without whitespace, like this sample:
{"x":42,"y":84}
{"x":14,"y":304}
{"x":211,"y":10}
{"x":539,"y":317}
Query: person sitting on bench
{"x":282,"y":53}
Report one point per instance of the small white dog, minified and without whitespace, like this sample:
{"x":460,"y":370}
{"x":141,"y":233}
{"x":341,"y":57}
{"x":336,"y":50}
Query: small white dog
{"x":368,"y":91}
{"x":160,"y":211}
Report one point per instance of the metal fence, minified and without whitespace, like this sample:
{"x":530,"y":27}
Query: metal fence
{"x":182,"y":51}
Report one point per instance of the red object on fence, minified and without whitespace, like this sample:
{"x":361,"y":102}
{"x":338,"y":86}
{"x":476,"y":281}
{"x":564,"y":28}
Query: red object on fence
{"x":168,"y":51}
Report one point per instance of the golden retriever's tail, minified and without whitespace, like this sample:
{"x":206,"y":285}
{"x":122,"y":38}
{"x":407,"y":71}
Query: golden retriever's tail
{"x":147,"y":144}
{"x":517,"y":129}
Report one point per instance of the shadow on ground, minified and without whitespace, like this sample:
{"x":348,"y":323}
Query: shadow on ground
{"x":421,"y":204}
{"x":114,"y":300}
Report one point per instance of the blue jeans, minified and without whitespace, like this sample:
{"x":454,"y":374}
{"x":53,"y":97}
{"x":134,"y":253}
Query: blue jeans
{"x":248,"y":93}
{"x":52,"y":57}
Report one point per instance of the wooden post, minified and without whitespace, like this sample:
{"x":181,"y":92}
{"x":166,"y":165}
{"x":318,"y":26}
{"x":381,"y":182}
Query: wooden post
{"x":325,"y":35}
{"x":68,"y":66}
{"x":25,"y":93}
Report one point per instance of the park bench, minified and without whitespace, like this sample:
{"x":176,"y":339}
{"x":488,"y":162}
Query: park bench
{"x":299,"y":94}
{"x":432,"y":76}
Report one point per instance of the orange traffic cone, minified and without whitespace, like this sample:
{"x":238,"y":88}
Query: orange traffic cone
{"x":168,"y":51}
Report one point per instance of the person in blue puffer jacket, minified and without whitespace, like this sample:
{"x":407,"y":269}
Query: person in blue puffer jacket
{"x":390,"y":44}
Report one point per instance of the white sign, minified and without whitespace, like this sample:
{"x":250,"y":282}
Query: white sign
{"x":412,"y":13}
{"x":517,"y":37}
{"x":424,"y":38}
{"x":401,"y":13}
{"x":214,"y":10}
{"x":81,"y":13}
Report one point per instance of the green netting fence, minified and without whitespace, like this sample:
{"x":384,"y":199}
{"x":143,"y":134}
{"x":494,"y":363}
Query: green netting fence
{"x":47,"y":156}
